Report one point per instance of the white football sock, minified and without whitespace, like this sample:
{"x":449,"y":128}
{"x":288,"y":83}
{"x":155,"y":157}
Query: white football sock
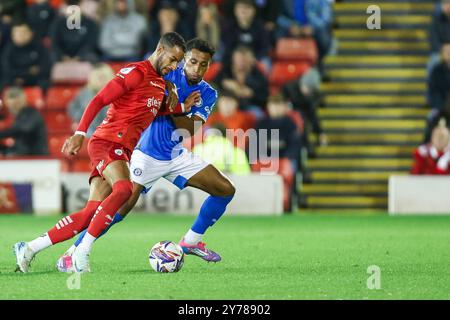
{"x":192,"y":237}
{"x":86,"y":243}
{"x":40,"y":243}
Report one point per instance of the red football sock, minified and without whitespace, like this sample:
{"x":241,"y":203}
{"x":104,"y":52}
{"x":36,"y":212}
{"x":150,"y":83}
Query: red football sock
{"x":70,"y":225}
{"x":121,"y":191}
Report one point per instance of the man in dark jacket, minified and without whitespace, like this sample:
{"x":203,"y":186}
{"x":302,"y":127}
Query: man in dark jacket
{"x":28,"y":129}
{"x":245,"y":28}
{"x":77,"y":43}
{"x":439,"y":92}
{"x":25,"y":61}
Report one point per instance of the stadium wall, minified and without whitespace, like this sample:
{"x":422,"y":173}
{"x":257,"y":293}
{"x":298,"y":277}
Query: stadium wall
{"x":255,"y":195}
{"x":419,"y":195}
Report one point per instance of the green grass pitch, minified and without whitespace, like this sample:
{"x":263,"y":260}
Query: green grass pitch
{"x":300,"y":256}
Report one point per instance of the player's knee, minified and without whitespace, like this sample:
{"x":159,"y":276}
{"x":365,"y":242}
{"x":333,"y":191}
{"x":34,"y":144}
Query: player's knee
{"x":123,"y":189}
{"x":225,"y":189}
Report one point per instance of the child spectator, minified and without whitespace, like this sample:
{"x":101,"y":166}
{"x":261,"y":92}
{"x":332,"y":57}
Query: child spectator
{"x":433,"y":158}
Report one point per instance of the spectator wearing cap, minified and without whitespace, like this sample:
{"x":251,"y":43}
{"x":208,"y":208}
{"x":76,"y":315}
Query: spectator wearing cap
{"x":122,"y":33}
{"x":28,"y":129}
{"x":25,"y":62}
{"x":304,"y":94}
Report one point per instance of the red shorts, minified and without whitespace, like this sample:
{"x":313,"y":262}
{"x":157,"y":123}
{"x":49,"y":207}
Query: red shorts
{"x":103,"y":152}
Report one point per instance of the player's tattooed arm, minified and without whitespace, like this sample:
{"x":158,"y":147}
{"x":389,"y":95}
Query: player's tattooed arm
{"x":191,"y":124}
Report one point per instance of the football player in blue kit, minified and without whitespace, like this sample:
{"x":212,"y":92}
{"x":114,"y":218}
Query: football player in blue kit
{"x":159,"y":154}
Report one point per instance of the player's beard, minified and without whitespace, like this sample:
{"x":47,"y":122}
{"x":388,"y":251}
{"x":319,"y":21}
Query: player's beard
{"x":159,"y":68}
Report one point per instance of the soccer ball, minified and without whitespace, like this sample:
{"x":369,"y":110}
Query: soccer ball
{"x":166,"y":256}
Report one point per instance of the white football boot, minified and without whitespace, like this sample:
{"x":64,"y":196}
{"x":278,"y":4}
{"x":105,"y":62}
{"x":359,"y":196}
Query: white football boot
{"x":24,"y":256}
{"x":80,"y":261}
{"x":64,"y":263}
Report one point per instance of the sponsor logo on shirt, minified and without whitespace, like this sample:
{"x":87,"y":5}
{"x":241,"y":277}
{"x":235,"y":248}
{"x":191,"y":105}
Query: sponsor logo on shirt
{"x":154,"y":103}
{"x":119,"y":152}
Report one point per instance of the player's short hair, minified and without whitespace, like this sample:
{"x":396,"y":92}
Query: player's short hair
{"x":201,"y":45}
{"x":172,"y":39}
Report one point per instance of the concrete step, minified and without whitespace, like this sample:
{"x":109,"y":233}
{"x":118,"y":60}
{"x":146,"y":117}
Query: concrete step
{"x":387,"y":100}
{"x":355,"y":87}
{"x":328,"y":113}
{"x":358,"y":151}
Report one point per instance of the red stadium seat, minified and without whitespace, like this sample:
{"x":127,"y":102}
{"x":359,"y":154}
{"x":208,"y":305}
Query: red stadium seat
{"x":212,"y":72}
{"x":293,"y":49}
{"x":55,"y":143}
{"x":59,"y":97}
{"x":81,"y":165}
{"x":57,"y":122}
{"x":71,"y":72}
{"x":283,"y":72}
{"x":35,"y":97}
{"x":284,"y":168}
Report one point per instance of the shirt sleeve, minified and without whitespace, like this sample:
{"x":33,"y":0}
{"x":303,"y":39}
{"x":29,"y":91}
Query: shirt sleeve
{"x":209,"y":101}
{"x":126,"y":79}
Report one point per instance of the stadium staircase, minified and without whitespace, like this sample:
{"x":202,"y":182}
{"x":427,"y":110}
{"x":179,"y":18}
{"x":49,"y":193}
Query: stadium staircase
{"x":374,"y":114}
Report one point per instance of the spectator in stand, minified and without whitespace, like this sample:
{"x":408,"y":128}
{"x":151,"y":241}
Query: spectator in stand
{"x":245,"y":28}
{"x":288,"y":142}
{"x":168,"y":20}
{"x":268,"y":12}
{"x":433,"y":121}
{"x":28,"y":129}
{"x":6,"y":120}
{"x":98,"y":78}
{"x":231,"y":117}
{"x":304,"y":95}
{"x":220,"y":152}
{"x":208,"y":25}
{"x":12,"y":10}
{"x":79,"y":44}
{"x":122,"y":33}
{"x":439,"y":32}
{"x":40,"y":16}
{"x":108,"y":7}
{"x":434,"y":157}
{"x":439,"y":88}
{"x":25,"y":61}
{"x":306,"y":18}
{"x":244,"y":78}
{"x":187,"y":9}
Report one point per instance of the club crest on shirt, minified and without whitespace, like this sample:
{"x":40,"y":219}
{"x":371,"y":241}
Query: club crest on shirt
{"x":199,"y":103}
{"x":119,"y":152}
{"x":137,"y":172}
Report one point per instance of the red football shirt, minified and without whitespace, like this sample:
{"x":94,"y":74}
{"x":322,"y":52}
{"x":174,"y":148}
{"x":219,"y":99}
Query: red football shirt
{"x":135,"y":97}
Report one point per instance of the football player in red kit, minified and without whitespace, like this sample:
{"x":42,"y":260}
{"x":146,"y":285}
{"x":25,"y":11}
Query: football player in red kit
{"x":135,"y":96}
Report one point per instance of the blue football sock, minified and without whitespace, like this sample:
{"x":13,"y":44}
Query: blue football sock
{"x":117,"y":218}
{"x":211,"y":211}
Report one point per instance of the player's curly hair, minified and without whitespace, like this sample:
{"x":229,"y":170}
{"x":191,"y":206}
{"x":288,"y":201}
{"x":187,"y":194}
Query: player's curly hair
{"x":172,"y":39}
{"x":201,"y":45}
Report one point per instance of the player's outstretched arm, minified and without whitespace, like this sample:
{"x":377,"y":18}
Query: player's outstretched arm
{"x":113,"y":90}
